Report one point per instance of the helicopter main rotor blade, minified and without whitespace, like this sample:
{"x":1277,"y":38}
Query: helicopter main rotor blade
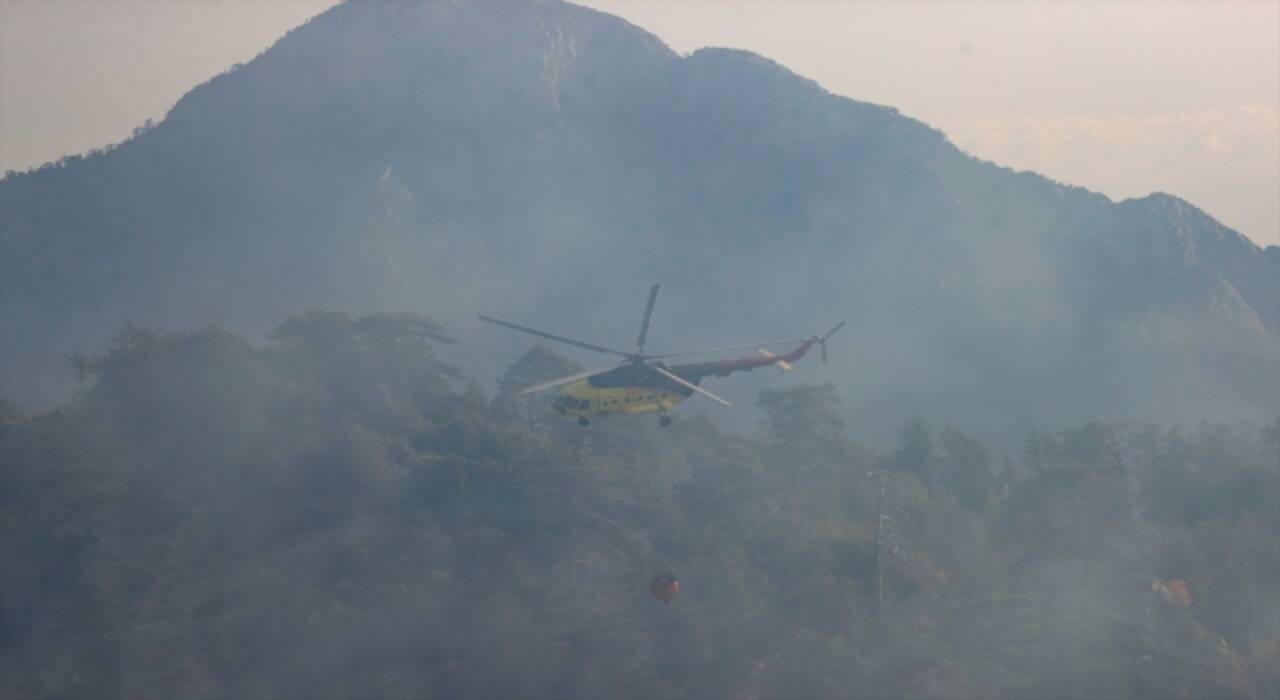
{"x":823,"y":340}
{"x":681,"y":380}
{"x":648,"y":316}
{"x":725,"y":348}
{"x":557,"y":338}
{"x":562,"y":381}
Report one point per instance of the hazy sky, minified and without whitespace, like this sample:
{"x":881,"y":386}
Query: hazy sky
{"x":1122,"y":98}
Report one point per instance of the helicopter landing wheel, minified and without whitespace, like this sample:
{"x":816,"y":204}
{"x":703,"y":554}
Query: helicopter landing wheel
{"x":664,"y":421}
{"x":582,"y":421}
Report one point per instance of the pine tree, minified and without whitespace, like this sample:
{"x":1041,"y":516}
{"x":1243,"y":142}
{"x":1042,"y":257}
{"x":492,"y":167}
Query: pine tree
{"x":917,"y":453}
{"x":966,"y":469}
{"x":801,"y":413}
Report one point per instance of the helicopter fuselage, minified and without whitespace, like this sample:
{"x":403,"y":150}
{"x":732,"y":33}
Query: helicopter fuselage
{"x":627,"y":390}
{"x":634,"y":390}
{"x":582,"y":399}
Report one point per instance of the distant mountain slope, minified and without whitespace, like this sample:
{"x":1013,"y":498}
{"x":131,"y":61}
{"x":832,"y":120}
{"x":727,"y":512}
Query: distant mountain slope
{"x":548,"y":162}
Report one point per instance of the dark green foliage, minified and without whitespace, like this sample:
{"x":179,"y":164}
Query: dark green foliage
{"x":337,"y":515}
{"x":916,"y":452}
{"x":801,"y":413}
{"x":967,"y":469}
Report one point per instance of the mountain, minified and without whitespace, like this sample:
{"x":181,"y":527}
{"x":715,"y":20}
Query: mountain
{"x":546,"y":162}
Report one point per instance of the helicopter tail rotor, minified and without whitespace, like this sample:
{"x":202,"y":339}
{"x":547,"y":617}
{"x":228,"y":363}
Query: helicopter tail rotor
{"x":822,"y":340}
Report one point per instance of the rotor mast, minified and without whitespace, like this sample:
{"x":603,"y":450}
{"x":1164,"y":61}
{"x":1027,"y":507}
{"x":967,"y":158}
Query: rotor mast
{"x":648,"y":317}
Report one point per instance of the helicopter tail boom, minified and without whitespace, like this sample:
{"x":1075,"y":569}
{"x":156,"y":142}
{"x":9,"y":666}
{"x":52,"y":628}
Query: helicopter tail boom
{"x":780,"y":363}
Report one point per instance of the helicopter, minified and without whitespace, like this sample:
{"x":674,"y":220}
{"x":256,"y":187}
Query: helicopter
{"x":643,"y":383}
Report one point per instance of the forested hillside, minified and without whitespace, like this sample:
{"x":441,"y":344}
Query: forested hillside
{"x":547,"y":162}
{"x":336,"y":513}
